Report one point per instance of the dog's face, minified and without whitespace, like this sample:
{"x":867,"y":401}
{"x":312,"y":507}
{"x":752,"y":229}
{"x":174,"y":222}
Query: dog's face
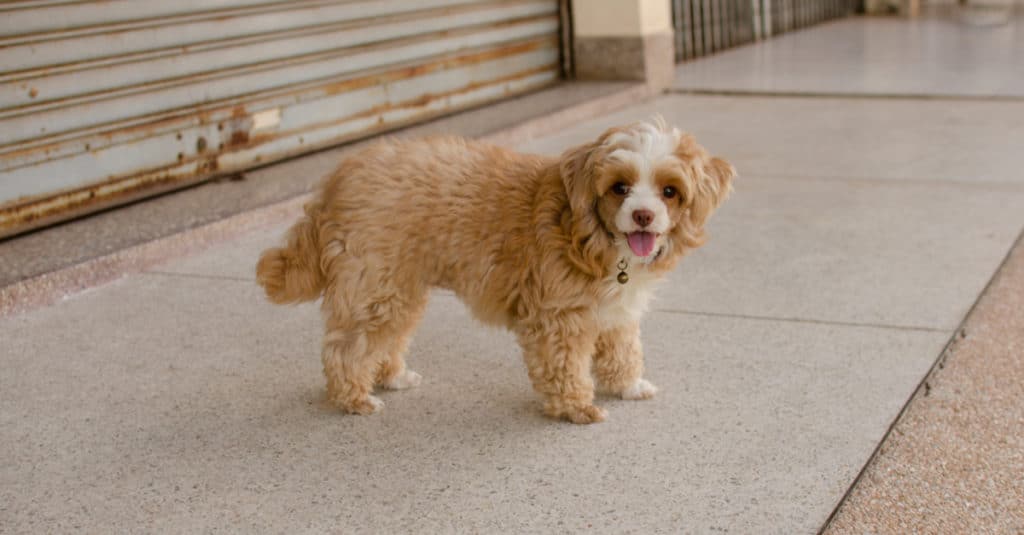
{"x":647,"y":188}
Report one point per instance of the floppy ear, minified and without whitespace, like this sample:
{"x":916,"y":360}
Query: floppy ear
{"x":589,"y":244}
{"x":575,"y":170}
{"x":579,"y":167}
{"x":712,"y":187}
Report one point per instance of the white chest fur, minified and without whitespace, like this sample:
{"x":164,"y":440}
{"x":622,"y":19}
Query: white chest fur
{"x":626,"y":303}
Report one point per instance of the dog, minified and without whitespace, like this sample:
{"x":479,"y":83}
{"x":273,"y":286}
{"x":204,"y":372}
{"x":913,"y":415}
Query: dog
{"x":562,"y":251}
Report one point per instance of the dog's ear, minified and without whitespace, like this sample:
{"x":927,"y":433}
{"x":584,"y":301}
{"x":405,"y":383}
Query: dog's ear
{"x":713,"y":185}
{"x":579,"y":167}
{"x":589,"y":244}
{"x":708,"y":183}
{"x":576,"y":172}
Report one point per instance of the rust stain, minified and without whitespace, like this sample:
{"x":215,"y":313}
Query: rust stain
{"x":33,"y":93}
{"x":420,"y":102}
{"x":414,"y":71}
{"x":241,"y":140}
{"x":426,"y":99}
{"x":238,"y":138}
{"x":207,"y":165}
{"x":80,"y":200}
{"x":203,"y":115}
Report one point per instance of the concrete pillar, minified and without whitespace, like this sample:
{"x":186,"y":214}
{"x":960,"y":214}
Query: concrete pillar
{"x":624,"y":40}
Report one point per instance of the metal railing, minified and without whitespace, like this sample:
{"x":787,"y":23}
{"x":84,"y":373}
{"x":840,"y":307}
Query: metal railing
{"x":703,"y":27}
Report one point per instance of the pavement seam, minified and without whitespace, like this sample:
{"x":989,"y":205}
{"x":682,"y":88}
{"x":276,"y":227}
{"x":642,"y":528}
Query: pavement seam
{"x":913,"y":328}
{"x":938,"y":364}
{"x":1000,"y":99}
{"x":196,"y":276}
{"x":1011,"y":186}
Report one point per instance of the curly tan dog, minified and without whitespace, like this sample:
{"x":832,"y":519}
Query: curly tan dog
{"x":562,"y":251}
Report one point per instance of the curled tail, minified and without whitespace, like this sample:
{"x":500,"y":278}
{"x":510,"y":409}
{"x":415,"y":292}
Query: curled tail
{"x":292,"y":273}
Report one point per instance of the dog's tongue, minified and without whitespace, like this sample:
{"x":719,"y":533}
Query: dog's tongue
{"x":641,"y":243}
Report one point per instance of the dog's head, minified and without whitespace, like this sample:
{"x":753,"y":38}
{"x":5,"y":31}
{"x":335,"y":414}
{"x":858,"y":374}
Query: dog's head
{"x":641,"y":192}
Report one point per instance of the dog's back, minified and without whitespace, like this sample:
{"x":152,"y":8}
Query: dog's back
{"x":403,"y":197}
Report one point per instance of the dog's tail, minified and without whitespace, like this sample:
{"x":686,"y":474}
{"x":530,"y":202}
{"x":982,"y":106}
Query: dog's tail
{"x":292,"y":273}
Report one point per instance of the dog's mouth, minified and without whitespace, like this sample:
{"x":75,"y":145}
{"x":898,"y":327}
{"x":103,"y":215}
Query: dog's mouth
{"x":641,"y":242}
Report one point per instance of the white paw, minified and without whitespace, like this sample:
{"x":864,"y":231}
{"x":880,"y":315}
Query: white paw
{"x":406,"y":379}
{"x":377,"y":403}
{"x":641,"y":389}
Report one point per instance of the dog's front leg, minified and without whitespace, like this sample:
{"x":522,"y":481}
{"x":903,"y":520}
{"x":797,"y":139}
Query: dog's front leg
{"x":558,"y":354}
{"x":619,"y":363}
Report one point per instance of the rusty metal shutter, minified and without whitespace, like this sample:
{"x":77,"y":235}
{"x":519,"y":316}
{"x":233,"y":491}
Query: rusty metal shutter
{"x":105,"y":101}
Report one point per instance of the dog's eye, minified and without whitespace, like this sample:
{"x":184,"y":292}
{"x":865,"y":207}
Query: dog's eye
{"x":669,"y":192}
{"x":620,"y":188}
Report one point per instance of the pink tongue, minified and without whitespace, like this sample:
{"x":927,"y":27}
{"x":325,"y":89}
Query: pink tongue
{"x":641,"y":243}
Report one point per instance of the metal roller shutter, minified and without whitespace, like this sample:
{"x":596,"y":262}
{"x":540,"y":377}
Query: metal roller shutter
{"x":105,"y":101}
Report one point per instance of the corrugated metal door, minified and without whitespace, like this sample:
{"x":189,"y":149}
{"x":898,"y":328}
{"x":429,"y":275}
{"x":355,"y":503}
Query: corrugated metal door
{"x":104,"y":101}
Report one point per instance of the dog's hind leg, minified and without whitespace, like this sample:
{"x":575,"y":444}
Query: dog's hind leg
{"x":370,"y":319}
{"x":349,"y":370}
{"x":392,"y":373}
{"x":619,"y":363}
{"x":348,"y":358}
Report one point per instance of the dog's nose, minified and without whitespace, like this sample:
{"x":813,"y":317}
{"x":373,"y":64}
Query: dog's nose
{"x":643,"y":217}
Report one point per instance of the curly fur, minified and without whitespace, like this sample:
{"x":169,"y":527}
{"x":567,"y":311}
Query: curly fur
{"x":527,"y":242}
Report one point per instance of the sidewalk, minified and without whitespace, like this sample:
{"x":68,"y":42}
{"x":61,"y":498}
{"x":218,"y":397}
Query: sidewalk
{"x":861,"y":233}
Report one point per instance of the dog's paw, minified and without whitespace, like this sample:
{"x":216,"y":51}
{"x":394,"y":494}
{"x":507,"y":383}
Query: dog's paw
{"x":365,"y":406}
{"x":577,"y":414}
{"x":641,"y":389}
{"x":590,"y":414}
{"x":406,"y":379}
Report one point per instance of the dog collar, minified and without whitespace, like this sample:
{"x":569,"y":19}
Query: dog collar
{"x":623,"y":265}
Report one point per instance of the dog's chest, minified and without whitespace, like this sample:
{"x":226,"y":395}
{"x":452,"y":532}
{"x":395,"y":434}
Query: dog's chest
{"x":625,"y":303}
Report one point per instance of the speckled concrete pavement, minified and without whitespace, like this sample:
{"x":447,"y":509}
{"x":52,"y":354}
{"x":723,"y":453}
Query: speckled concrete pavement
{"x":954,"y":461}
{"x":861,"y":233}
{"x":179,"y":400}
